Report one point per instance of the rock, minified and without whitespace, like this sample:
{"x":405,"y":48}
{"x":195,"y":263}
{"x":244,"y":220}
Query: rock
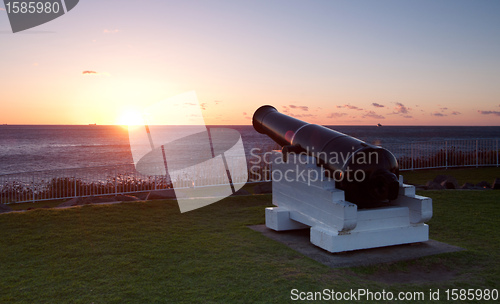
{"x":4,"y":208}
{"x":125,"y":198}
{"x":263,"y":188}
{"x":496,"y":184}
{"x":447,"y":181}
{"x":78,"y":201}
{"x":432,"y":185}
{"x":161,"y":194}
{"x":421,"y":187}
{"x":468,"y":186}
{"x":97,"y":199}
{"x":141,"y":195}
{"x":242,"y":192}
{"x":72,"y":202}
{"x":440,"y":178}
{"x":450,"y":183}
{"x":483,"y":184}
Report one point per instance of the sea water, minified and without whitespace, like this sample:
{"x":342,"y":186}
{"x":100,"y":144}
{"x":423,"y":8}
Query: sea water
{"x":30,"y":148}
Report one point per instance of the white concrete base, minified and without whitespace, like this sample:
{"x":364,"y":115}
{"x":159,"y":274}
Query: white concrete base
{"x":332,"y":241}
{"x":337,"y":225}
{"x":279,"y":219}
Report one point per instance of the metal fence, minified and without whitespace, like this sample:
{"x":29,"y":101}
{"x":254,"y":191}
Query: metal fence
{"x":123,"y":179}
{"x":108,"y":180}
{"x":446,"y":154}
{"x":79,"y":182}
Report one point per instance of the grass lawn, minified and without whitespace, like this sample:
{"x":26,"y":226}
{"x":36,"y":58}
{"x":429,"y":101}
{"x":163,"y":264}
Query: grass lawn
{"x":147,"y":252}
{"x":38,"y":204}
{"x":463,"y":175}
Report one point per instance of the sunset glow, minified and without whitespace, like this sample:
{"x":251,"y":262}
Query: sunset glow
{"x":327,"y":62}
{"x":130,"y":118}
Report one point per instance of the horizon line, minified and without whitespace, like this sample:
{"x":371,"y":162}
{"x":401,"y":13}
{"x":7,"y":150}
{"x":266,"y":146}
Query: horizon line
{"x":367,"y":125}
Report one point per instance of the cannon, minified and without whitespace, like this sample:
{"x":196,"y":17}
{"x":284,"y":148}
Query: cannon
{"x":368,"y":174}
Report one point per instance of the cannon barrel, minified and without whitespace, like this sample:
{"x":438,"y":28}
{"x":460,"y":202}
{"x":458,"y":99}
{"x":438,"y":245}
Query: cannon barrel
{"x":368,"y":174}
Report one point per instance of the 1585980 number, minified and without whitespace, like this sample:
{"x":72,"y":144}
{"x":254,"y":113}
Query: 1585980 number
{"x":31,"y":7}
{"x":471,"y":294}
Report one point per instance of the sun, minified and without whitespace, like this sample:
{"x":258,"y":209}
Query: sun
{"x":130,"y":118}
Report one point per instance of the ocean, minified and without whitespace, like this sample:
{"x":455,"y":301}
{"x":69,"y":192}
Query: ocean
{"x":27,"y":148}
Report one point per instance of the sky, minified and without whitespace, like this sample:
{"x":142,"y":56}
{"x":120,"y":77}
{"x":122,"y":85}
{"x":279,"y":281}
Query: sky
{"x":331,"y":62}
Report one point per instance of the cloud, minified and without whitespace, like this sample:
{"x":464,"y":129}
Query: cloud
{"x":203,"y":106}
{"x":106,"y":31}
{"x":497,"y":113}
{"x":94,"y":73}
{"x":190,"y":103}
{"x":438,"y":114}
{"x":336,"y":115}
{"x":377,"y":105}
{"x":372,"y":114}
{"x":303,"y":115}
{"x":244,"y":113}
{"x":408,"y":116}
{"x":303,"y":108}
{"x":352,"y":107}
{"x":400,"y":109}
{"x":2,"y":9}
{"x":443,"y":109}
{"x":455,"y":113}
{"x":217,"y":102}
{"x":339,"y":107}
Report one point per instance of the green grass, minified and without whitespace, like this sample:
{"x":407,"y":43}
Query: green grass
{"x":463,"y":175}
{"x":148,"y":252}
{"x":39,"y":204}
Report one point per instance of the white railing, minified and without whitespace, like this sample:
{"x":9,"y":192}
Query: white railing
{"x":123,"y":179}
{"x":446,"y":154}
{"x":78,"y":182}
{"x":106,"y":180}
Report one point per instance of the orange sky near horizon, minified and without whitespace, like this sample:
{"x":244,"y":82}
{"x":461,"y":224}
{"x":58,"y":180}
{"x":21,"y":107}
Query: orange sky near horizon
{"x":325,"y":62}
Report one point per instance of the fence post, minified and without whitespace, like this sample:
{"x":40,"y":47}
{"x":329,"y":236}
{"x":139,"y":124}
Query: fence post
{"x":33,"y":186}
{"x":477,"y":155}
{"x":446,"y":154}
{"x":497,"y":153}
{"x":116,"y":186}
{"x":74,"y":182}
{"x":411,"y":153}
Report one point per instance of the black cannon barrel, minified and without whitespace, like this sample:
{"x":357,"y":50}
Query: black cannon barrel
{"x":367,"y":173}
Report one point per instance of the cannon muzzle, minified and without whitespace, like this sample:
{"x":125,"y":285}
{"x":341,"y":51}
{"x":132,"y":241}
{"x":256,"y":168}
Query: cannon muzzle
{"x":368,"y":174}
